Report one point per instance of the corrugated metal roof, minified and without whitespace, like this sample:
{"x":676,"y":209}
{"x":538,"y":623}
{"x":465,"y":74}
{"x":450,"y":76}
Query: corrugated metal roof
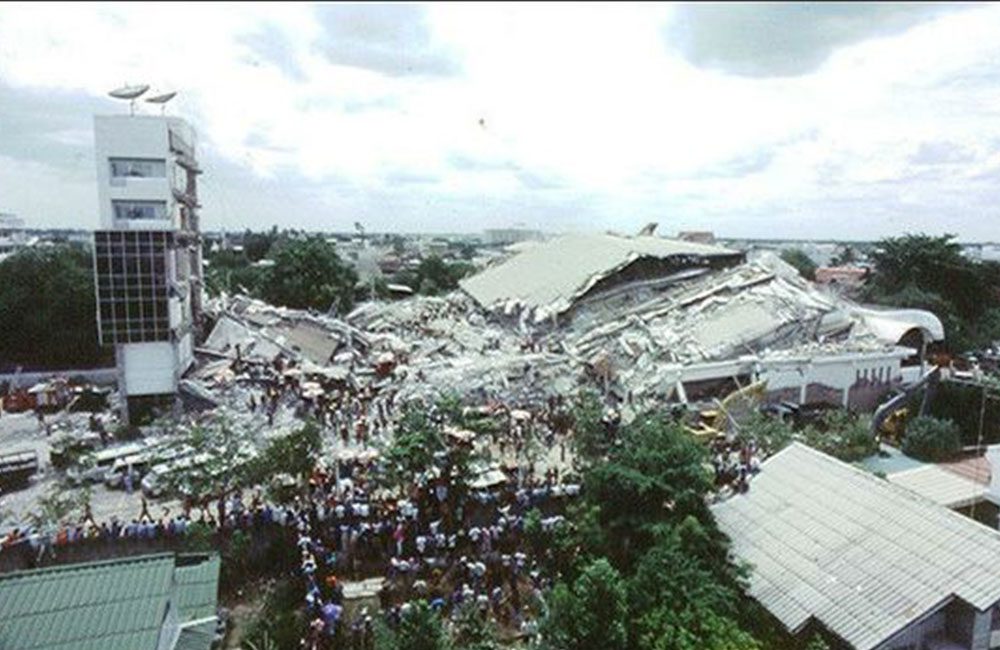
{"x":863,"y":556}
{"x":940,"y":486}
{"x":114,"y":605}
{"x":197,"y":586}
{"x":551,"y":275}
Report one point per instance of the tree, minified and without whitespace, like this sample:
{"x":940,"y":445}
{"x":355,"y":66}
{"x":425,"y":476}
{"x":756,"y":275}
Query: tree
{"x":591,"y":437}
{"x":931,"y":273}
{"x":684,"y":594}
{"x":843,"y":435}
{"x":421,"y":629}
{"x":308,"y":274}
{"x":233,"y":272}
{"x":434,"y":276}
{"x":839,"y":433}
{"x":294,"y":454}
{"x":414,"y":447}
{"x":48,"y":310}
{"x":56,"y":506}
{"x":656,"y":475}
{"x":256,"y":245}
{"x":802,"y":263}
{"x":931,"y":439}
{"x":846,"y":257}
{"x":474,"y":631}
{"x":591,"y":614}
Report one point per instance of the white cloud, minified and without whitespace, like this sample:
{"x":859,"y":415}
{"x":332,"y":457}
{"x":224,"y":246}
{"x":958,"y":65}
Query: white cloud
{"x":549,"y":105}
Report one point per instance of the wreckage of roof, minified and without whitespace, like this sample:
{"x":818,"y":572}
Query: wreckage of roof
{"x":547,"y":278}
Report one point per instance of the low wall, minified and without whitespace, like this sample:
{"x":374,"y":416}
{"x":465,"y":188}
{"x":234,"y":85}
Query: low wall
{"x":98,"y":376}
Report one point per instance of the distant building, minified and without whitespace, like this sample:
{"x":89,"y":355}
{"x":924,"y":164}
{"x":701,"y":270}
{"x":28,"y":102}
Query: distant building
{"x":837,"y":548}
{"x":147,"y":256}
{"x":13,"y":236}
{"x":506,"y":236}
{"x":151,"y":602}
{"x":844,"y":276}
{"x":697,"y":236}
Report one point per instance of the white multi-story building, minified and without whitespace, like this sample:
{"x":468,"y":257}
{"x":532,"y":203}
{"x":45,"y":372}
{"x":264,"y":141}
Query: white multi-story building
{"x":147,"y":255}
{"x":13,"y":236}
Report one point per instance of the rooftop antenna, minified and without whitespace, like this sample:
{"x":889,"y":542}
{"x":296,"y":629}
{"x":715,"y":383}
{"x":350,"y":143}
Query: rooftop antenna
{"x":162,"y":100}
{"x":129,"y":93}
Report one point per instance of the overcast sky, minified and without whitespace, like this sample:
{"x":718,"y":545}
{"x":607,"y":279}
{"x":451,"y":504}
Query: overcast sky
{"x":850,"y":121}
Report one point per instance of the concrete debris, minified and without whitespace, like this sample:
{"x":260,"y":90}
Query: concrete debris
{"x":634,"y":335}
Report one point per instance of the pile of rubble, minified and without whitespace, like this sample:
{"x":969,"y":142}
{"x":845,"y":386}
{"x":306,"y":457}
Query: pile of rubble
{"x":627,"y":341}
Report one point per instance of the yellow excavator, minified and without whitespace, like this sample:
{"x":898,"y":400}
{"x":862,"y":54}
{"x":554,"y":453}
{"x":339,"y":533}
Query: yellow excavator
{"x":735,"y":405}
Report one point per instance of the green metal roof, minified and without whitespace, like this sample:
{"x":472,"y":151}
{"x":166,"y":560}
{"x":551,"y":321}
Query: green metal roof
{"x":197,"y":580}
{"x":112,"y":605}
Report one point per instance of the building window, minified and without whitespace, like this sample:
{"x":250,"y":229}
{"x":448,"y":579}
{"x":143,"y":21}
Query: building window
{"x":132,"y":285}
{"x":140,"y":209}
{"x":138,"y":168}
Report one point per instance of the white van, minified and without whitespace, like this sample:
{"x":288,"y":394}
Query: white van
{"x":115,"y":477}
{"x":93,"y":467}
{"x":154,"y":484}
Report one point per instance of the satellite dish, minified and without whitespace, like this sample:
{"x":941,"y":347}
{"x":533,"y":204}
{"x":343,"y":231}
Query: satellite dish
{"x":161,"y":99}
{"x":130,"y":94}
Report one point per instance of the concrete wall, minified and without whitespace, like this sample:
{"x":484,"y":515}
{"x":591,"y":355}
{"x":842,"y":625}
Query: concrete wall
{"x":956,"y":620}
{"x":149,"y":368}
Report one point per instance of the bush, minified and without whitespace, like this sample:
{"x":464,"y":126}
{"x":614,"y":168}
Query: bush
{"x":931,"y":439}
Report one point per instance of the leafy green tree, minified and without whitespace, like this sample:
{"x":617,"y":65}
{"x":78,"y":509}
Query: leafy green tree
{"x":666,"y":628}
{"x":843,"y":435}
{"x":256,"y":245}
{"x":846,"y":257}
{"x":931,"y":439}
{"x":233,"y":272}
{"x":802,"y":263}
{"x":931,"y":273}
{"x":279,"y":623}
{"x":591,"y":614}
{"x":48,"y":311}
{"x":474,"y":630}
{"x":685,"y":593}
{"x":57,"y":506}
{"x":434,"y":276}
{"x":591,"y":441}
{"x":658,"y":474}
{"x":421,"y":629}
{"x":295,"y":454}
{"x":308,"y":274}
{"x":817,"y":642}
{"x":414,"y":447}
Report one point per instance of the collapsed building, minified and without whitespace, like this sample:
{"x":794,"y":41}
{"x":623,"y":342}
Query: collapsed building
{"x":642,"y":318}
{"x":682,"y":321}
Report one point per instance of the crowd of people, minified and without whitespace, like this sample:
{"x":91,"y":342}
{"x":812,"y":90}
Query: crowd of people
{"x":735,"y":463}
{"x":443,"y":543}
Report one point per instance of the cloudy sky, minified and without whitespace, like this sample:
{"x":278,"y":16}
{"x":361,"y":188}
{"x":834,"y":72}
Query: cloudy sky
{"x":850,"y":121}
